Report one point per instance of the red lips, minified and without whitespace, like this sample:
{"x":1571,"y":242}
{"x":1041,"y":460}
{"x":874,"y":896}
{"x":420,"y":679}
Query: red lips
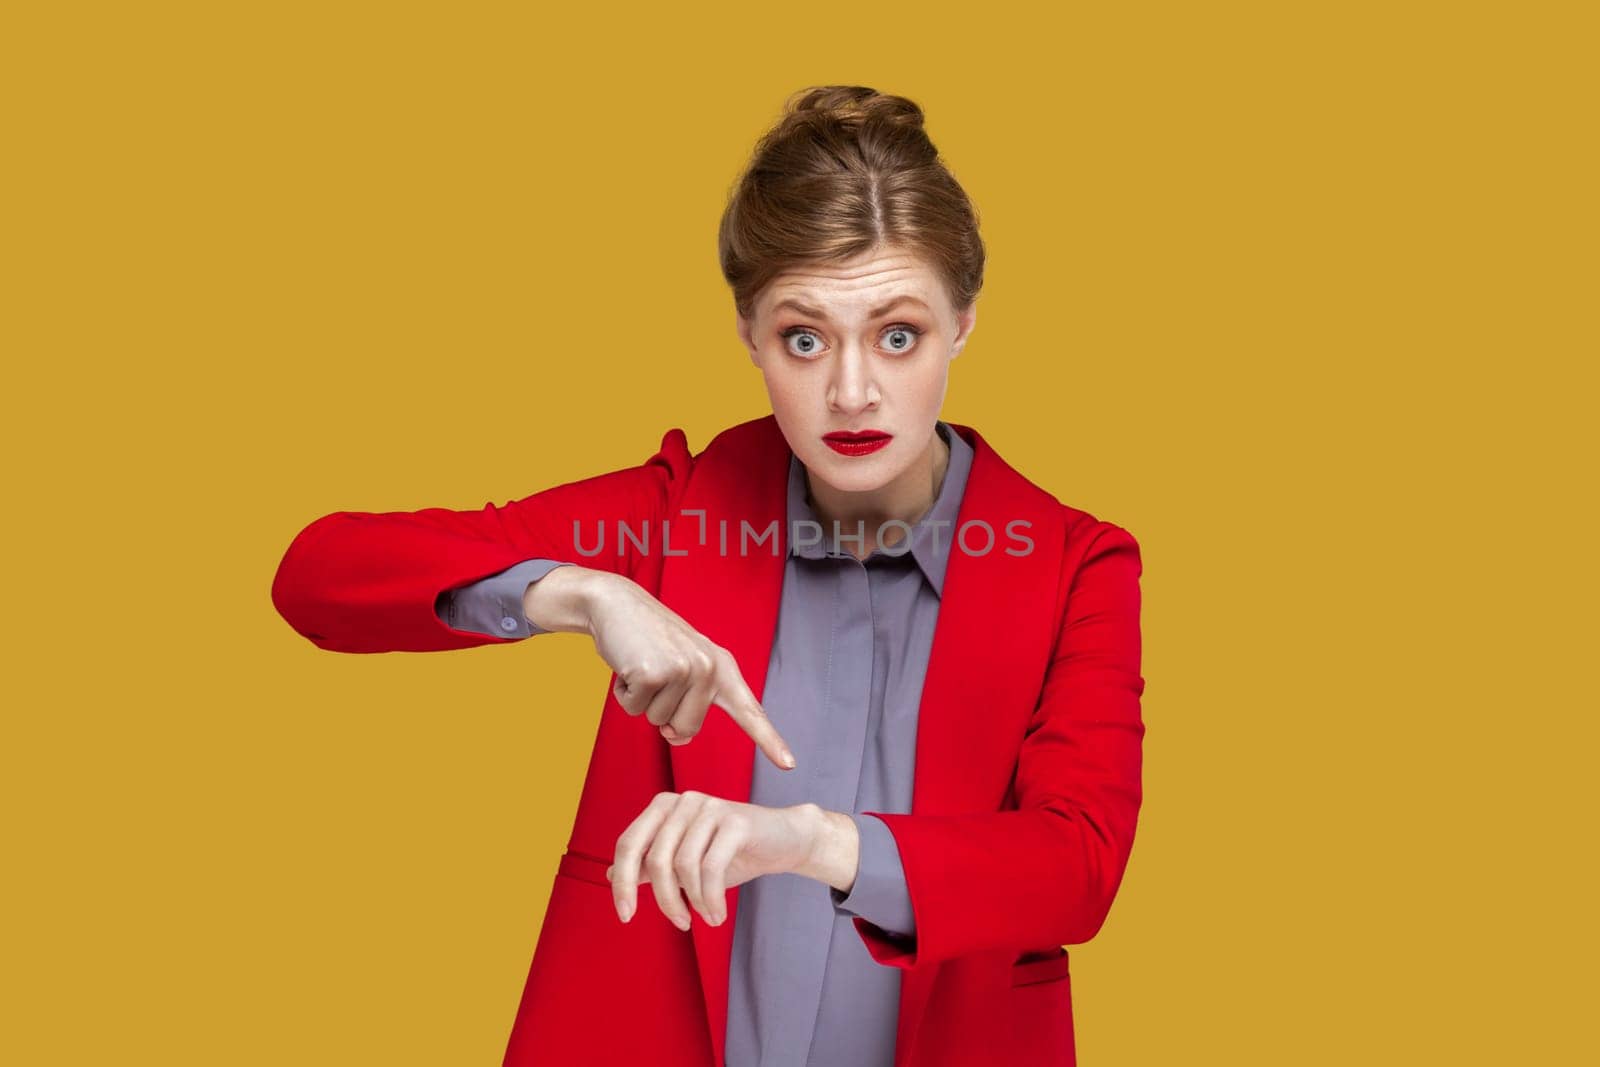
{"x":856,"y":442}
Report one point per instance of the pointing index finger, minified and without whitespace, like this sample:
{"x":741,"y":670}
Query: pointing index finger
{"x":734,"y":697}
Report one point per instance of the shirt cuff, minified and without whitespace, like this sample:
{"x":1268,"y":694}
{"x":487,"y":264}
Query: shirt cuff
{"x":493,"y":606}
{"x":879,"y":894}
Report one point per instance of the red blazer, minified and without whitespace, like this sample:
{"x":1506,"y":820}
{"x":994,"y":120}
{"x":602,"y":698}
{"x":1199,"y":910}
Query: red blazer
{"x":1027,"y":780}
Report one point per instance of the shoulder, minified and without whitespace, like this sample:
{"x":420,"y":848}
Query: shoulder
{"x":1005,"y":480}
{"x":753,"y":436}
{"x":1081,"y":534}
{"x":740,"y":461}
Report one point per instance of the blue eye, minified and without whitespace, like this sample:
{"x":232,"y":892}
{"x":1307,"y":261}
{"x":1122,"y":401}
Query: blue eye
{"x":813,"y":344}
{"x":905,"y":332}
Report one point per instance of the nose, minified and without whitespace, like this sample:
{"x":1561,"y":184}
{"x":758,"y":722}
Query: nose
{"x":851,"y":389}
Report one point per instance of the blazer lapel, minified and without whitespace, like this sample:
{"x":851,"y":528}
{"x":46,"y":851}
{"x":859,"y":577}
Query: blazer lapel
{"x":731,"y":597}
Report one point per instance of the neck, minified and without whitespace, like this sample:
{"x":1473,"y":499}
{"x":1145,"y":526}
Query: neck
{"x":907,"y":498}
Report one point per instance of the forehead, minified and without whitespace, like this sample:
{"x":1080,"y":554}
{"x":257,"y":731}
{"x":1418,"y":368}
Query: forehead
{"x":857,"y":283}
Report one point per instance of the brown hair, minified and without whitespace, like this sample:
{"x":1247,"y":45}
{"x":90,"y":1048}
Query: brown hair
{"x":846,"y":168}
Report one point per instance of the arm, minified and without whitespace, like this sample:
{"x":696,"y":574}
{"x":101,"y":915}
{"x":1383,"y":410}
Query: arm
{"x":1047,"y":872}
{"x":370,"y":581}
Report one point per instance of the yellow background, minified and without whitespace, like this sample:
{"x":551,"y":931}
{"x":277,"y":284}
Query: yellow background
{"x":1302,"y":295}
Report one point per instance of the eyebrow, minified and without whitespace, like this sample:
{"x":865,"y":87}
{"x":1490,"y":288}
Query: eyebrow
{"x":883,"y":309}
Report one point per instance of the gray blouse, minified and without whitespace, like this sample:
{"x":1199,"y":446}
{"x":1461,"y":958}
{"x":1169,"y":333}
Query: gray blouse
{"x":843,"y":687}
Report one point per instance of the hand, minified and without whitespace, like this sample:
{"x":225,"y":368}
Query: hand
{"x":699,"y":846}
{"x":668,"y":671}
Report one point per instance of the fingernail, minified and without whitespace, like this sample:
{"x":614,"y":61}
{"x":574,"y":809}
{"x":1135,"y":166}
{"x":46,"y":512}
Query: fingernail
{"x":716,"y":918}
{"x":627,"y":911}
{"x":788,"y":759}
{"x":681,"y":924}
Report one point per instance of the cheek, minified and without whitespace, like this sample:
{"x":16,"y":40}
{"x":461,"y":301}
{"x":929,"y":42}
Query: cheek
{"x":788,"y":379}
{"x":787,"y":393}
{"x":927,"y":386}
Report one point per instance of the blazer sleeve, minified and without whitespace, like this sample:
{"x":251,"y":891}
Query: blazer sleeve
{"x":1044,"y":873}
{"x":356,"y":581}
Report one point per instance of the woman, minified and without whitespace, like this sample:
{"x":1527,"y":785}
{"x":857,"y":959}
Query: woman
{"x":922,"y":778}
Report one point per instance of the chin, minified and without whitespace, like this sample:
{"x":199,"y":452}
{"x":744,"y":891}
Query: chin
{"x":856,"y":474}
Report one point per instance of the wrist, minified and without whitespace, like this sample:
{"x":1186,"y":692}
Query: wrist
{"x":563,"y":600}
{"x":835,"y":847}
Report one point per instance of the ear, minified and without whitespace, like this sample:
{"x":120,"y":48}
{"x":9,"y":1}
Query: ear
{"x":966,"y":319}
{"x":746,"y":335}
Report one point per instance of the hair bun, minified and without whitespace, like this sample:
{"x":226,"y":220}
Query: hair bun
{"x":851,"y":105}
{"x":847,"y":169}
